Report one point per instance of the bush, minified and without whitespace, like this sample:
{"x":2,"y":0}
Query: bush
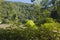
{"x":47,"y":31}
{"x":31,"y":24}
{"x":49,"y":20}
{"x":18,"y":34}
{"x":50,"y":31}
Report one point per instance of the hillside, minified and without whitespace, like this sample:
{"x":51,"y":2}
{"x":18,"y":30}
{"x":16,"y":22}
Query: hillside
{"x":23,"y":21}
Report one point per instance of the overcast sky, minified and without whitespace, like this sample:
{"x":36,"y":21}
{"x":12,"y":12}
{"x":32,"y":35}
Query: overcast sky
{"x":26,"y":1}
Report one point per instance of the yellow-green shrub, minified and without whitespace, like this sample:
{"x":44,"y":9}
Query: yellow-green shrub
{"x":31,"y":24}
{"x":50,"y":31}
{"x":53,"y":25}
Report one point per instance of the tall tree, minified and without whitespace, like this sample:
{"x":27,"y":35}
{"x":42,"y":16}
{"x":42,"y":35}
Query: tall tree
{"x":43,"y":3}
{"x":36,"y":2}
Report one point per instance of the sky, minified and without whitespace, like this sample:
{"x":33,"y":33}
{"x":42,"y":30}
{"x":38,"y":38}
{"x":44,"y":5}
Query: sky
{"x":25,"y":1}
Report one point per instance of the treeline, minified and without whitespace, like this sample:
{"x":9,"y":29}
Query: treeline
{"x":22,"y":11}
{"x":10,"y":10}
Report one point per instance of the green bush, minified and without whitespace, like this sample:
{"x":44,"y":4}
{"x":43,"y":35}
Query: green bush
{"x":31,"y":24}
{"x":45,"y":20}
{"x":47,"y":31}
{"x":50,"y":31}
{"x":18,"y":34}
{"x":49,"y":20}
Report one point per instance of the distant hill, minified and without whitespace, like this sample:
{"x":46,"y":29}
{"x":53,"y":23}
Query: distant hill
{"x":9,"y":10}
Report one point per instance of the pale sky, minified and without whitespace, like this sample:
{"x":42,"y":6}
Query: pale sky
{"x":26,"y":1}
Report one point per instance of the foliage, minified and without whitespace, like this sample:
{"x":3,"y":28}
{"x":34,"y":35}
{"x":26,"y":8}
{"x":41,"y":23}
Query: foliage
{"x":49,"y":20}
{"x":50,"y":31}
{"x":22,"y":12}
{"x":47,"y":31}
{"x":29,"y":22}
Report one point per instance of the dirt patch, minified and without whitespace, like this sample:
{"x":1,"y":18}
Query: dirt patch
{"x":4,"y":25}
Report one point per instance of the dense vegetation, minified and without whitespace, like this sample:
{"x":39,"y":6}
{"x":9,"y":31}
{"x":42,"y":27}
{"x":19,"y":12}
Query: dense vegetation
{"x":29,"y":21}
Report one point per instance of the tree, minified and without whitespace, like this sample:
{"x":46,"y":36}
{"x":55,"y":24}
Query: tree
{"x":36,"y":2}
{"x":44,"y":3}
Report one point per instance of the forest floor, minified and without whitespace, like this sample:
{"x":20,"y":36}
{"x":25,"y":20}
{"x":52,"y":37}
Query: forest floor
{"x":4,"y":25}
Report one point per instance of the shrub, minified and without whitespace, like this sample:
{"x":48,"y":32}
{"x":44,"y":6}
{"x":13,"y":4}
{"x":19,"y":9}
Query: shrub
{"x":50,"y":31}
{"x":31,"y":24}
{"x":49,"y":20}
{"x":18,"y":34}
{"x":47,"y":31}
